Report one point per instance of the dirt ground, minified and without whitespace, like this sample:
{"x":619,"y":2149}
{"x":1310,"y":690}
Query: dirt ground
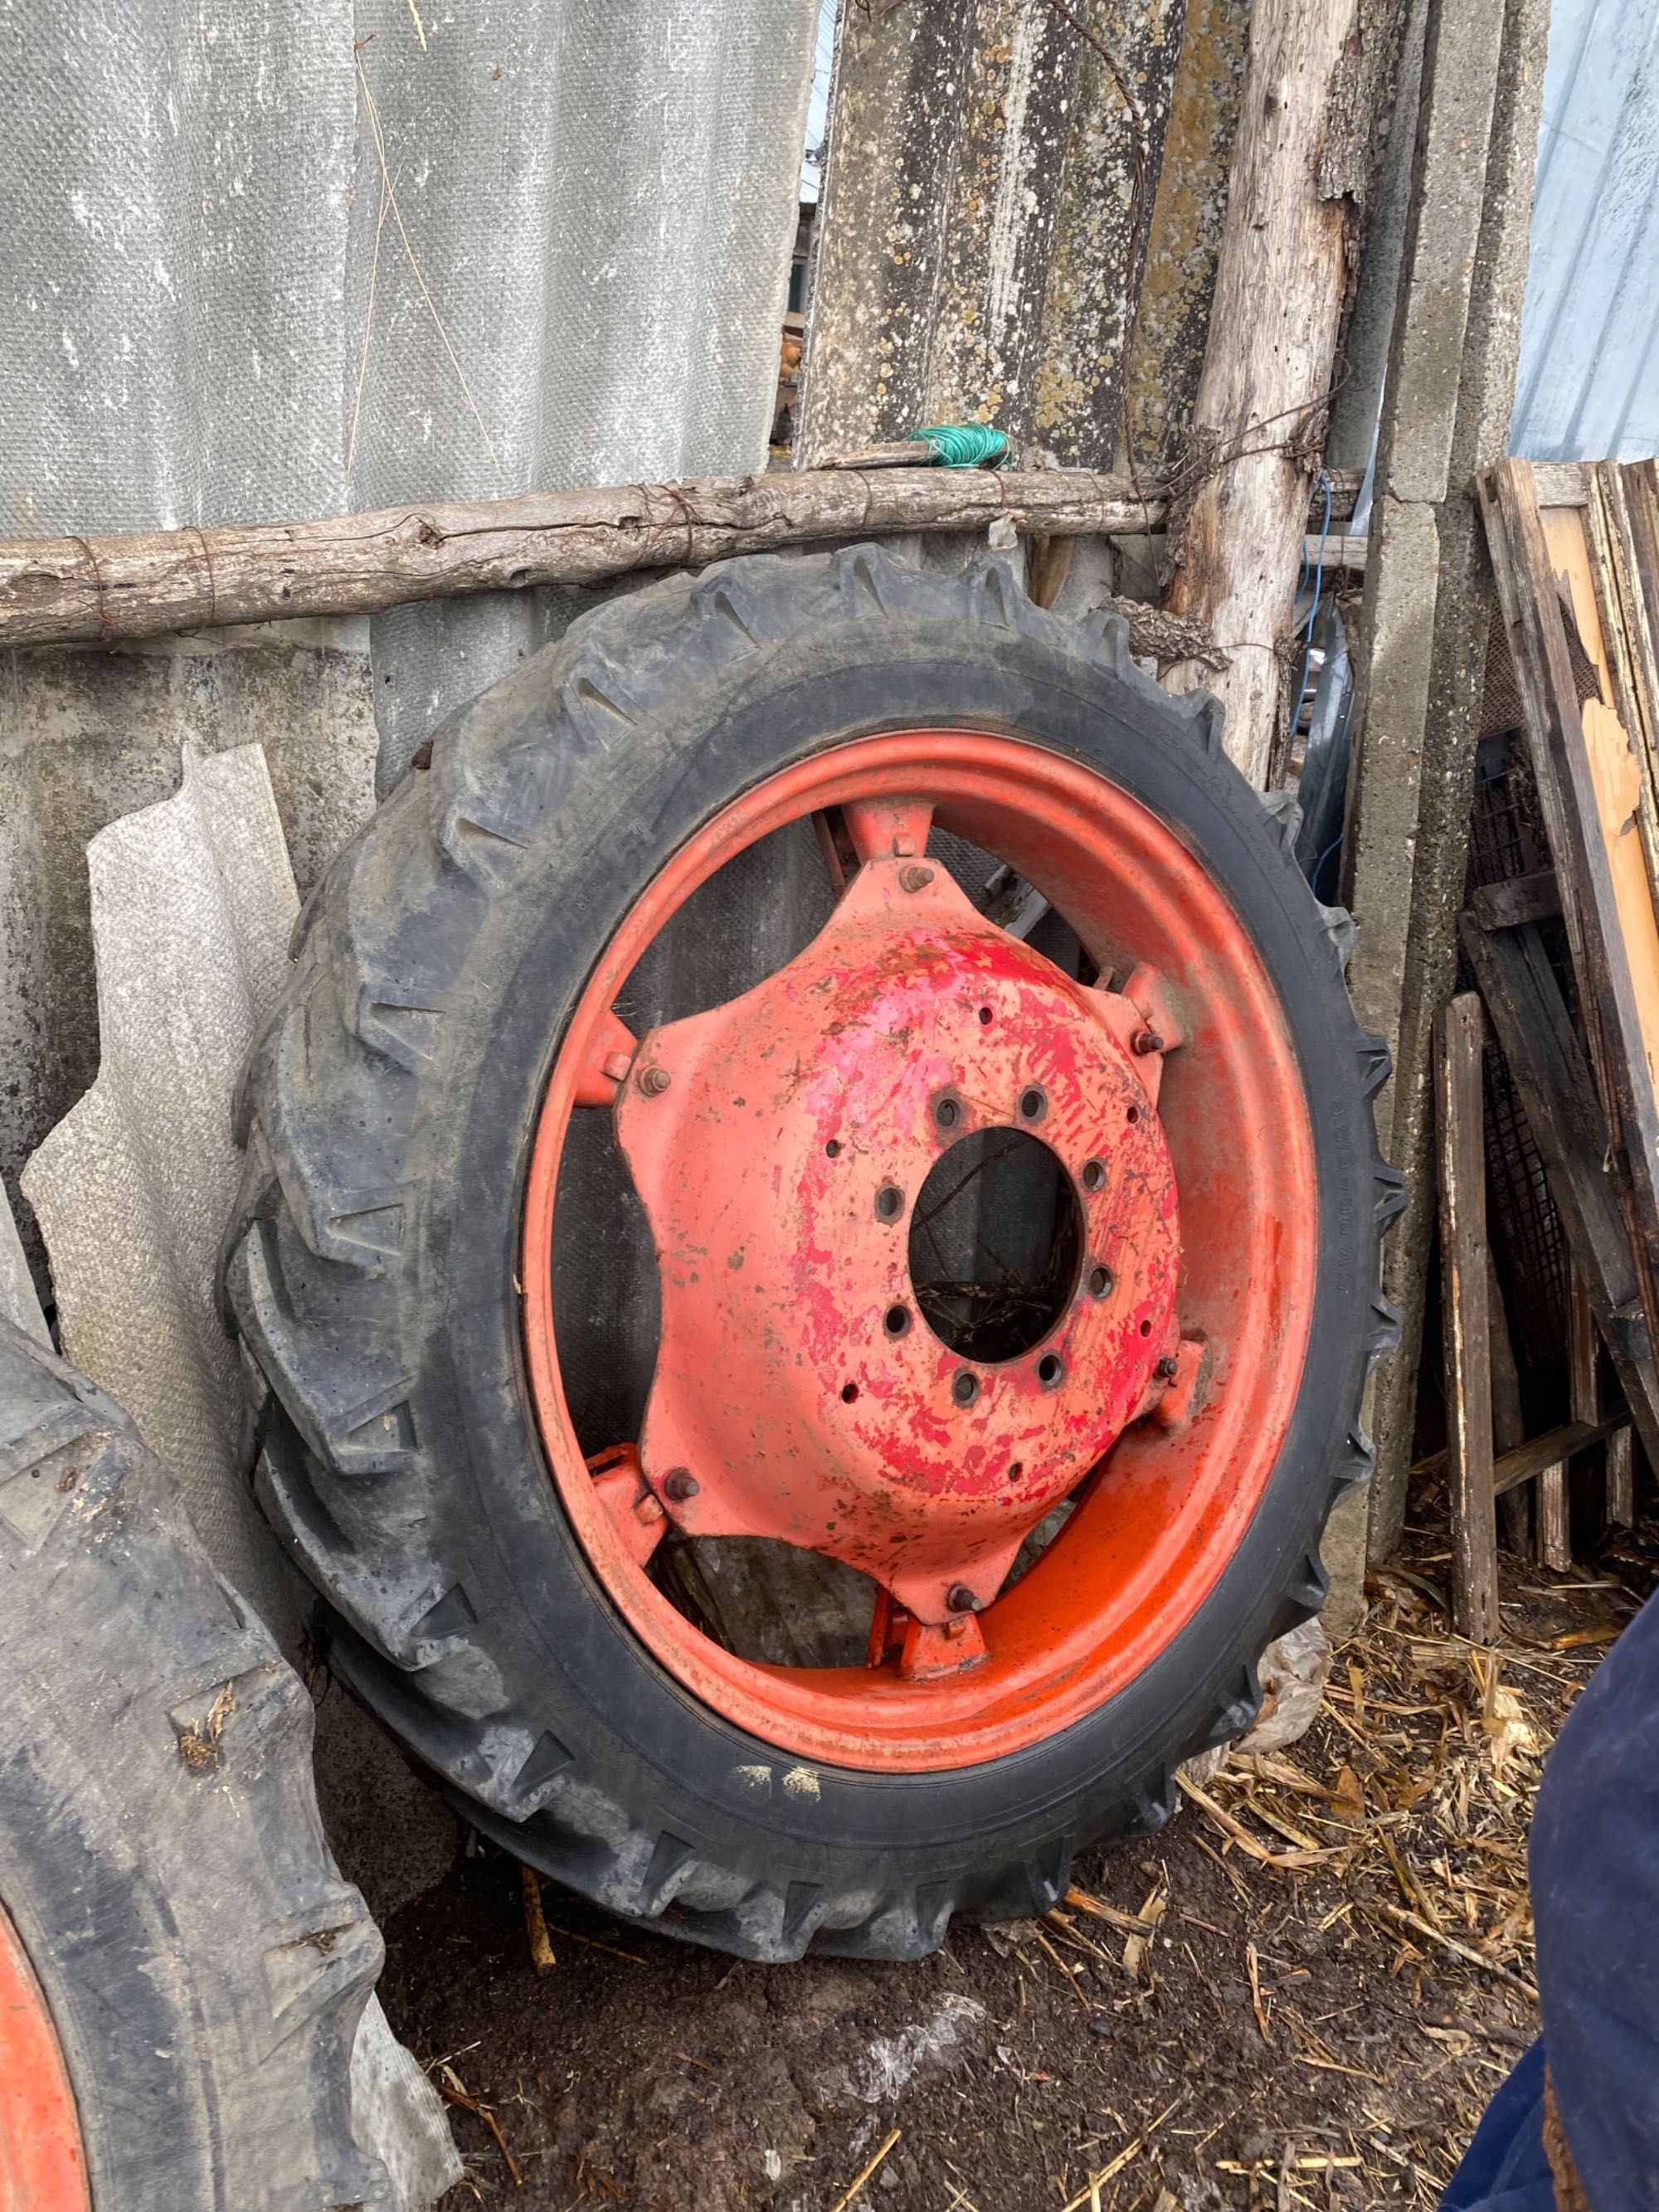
{"x":1283,"y":2038}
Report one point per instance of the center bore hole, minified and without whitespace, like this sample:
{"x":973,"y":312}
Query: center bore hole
{"x":995,"y":1244}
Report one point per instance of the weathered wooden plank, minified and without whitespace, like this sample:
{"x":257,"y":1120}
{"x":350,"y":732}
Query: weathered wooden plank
{"x":1509,"y":1426}
{"x":1527,"y":1461}
{"x":1522,"y":898}
{"x":102,"y":590}
{"x":1467,"y":1321}
{"x":1624,"y":524}
{"x":1588,"y":780}
{"x":1619,"y":1509}
{"x":1524,"y":1004}
{"x":1553,"y":1532}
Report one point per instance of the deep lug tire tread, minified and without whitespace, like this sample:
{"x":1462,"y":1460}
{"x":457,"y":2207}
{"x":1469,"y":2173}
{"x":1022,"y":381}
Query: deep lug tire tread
{"x":335,"y":1113}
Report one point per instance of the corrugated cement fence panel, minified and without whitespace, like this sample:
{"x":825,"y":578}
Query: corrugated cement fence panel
{"x":264,"y":261}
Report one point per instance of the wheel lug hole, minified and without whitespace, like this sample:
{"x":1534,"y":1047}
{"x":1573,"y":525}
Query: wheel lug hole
{"x":889,"y":1202}
{"x":1051,"y":1370}
{"x":961,"y":1599}
{"x":964,"y":1388}
{"x":947,"y":1111}
{"x":849,"y":1392}
{"x":832,"y":1150}
{"x":1033,"y":1103}
{"x":984,"y":1017}
{"x":1099,"y":1282}
{"x":896,"y":1320}
{"x":1093,"y":1177}
{"x":679,"y":1484}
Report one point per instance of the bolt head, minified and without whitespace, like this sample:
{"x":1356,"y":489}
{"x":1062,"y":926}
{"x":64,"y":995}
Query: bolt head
{"x":679,"y":1484}
{"x":1166,"y":1369}
{"x":961,"y":1599}
{"x":615,"y":1065}
{"x":649,"y":1509}
{"x":1145,"y":1041}
{"x":915,"y":877}
{"x":653,"y":1081}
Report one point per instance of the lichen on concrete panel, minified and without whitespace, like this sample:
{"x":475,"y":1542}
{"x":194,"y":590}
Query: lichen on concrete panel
{"x":1017,"y":105}
{"x":979,"y":218}
{"x":1086,"y":319}
{"x":1172,"y":322}
{"x":899,"y":81}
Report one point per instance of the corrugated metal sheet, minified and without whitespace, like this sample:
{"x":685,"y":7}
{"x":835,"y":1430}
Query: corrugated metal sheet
{"x":1589,"y":384}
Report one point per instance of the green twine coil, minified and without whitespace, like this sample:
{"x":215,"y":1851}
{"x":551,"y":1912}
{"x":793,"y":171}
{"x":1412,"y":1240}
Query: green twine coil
{"x":962,"y":444}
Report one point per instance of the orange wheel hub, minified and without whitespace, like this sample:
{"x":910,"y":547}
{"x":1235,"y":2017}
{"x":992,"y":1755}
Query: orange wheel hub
{"x":804,"y":1387}
{"x":42,"y":2167}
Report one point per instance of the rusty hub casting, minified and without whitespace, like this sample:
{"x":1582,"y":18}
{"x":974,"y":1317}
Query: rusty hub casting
{"x":779,"y":1144}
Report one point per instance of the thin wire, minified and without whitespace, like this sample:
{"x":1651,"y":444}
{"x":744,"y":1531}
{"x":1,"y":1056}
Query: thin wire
{"x":1335,"y":845}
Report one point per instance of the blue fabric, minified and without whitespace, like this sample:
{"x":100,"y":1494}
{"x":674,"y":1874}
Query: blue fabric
{"x":1504,"y":2168}
{"x":1594,"y":1867}
{"x":1594,"y":1864}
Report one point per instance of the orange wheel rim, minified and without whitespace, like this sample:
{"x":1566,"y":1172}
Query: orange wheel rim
{"x":42,"y":2167}
{"x":1158,"y":1405}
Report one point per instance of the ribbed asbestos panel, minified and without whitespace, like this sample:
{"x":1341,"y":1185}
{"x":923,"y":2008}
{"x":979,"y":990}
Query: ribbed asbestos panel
{"x":263,"y":260}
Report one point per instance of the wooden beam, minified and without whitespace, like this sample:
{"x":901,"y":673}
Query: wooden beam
{"x":1281,"y":279}
{"x":1524,"y":1004}
{"x":1588,"y":784}
{"x":1468,"y":1322}
{"x":102,"y":590}
{"x":1527,"y":1461}
{"x":1522,"y":898}
{"x":1553,"y":1528}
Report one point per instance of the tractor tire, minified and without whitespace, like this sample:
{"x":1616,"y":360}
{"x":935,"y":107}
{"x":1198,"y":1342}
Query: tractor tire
{"x":403,"y":1117}
{"x":182,"y":1969}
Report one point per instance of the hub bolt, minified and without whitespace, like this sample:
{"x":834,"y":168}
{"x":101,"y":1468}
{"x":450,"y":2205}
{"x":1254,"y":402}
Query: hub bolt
{"x":653,"y":1081}
{"x":914,"y":877}
{"x":679,"y":1484}
{"x":1147,"y":1041}
{"x":961,"y":1599}
{"x":1166,"y":1370}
